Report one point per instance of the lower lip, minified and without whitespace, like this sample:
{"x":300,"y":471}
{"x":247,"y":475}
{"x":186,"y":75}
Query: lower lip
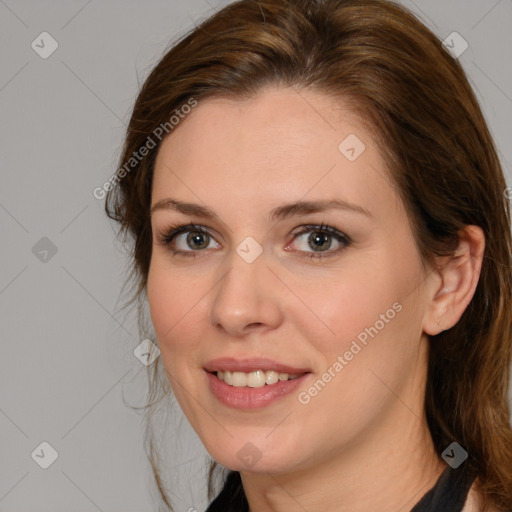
{"x":252,"y":398}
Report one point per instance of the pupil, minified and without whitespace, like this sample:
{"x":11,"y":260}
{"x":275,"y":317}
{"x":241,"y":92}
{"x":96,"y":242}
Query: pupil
{"x":197,"y":238}
{"x":320,"y":240}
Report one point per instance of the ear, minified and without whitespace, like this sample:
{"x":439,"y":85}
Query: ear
{"x":455,"y":282}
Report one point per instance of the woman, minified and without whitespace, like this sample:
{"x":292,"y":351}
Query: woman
{"x":321,"y":234}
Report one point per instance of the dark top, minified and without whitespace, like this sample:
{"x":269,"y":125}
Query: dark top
{"x":448,"y":494}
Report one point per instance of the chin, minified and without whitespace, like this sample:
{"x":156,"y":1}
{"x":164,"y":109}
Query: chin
{"x":253,"y":456}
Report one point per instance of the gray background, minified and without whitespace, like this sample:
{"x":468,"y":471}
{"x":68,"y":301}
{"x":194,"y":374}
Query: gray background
{"x":67,"y":360}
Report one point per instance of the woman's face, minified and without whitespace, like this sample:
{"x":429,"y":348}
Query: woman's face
{"x":333,"y":292}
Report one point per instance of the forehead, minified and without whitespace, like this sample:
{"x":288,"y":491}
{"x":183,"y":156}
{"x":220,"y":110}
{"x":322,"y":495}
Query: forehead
{"x":282,"y":144}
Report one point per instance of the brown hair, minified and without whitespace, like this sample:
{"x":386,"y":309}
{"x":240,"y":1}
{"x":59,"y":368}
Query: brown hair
{"x":440,"y":156}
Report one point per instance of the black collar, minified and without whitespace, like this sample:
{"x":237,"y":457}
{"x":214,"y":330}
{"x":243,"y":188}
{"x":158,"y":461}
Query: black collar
{"x":450,"y":491}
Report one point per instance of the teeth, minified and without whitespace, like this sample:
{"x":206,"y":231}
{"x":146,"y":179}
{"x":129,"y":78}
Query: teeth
{"x":239,"y":379}
{"x":256,"y":379}
{"x":272,"y":377}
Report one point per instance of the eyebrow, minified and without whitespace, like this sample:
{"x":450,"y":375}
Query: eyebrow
{"x":305,"y":207}
{"x":279,"y":213}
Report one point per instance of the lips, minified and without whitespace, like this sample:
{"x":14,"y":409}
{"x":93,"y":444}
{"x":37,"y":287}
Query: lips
{"x":253,"y":395}
{"x":229,"y":364}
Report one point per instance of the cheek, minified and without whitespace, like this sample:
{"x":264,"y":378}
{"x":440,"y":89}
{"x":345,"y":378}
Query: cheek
{"x":372,"y":315}
{"x":344,"y":307}
{"x":175,"y":309}
{"x":174,"y":303}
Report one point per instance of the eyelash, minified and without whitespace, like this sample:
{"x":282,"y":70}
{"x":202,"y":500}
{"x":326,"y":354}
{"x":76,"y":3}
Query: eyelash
{"x":166,"y":238}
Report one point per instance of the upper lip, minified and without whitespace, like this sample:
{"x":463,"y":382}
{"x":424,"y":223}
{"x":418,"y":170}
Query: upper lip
{"x":252,"y":364}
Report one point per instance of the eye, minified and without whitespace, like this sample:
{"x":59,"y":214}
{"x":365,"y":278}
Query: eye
{"x":321,"y":241}
{"x":187,"y":239}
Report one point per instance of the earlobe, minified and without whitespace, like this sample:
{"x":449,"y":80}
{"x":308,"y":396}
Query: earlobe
{"x":456,"y":282}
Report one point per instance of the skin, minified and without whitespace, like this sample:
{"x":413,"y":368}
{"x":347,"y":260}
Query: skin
{"x":362,"y":443}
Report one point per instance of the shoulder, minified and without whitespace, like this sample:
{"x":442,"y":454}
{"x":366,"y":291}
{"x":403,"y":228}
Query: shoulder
{"x":474,"y":501}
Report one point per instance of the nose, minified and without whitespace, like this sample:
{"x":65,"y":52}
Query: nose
{"x":247,"y":299}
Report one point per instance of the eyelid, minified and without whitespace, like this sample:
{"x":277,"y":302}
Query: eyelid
{"x":171,"y":231}
{"x":305,"y":228}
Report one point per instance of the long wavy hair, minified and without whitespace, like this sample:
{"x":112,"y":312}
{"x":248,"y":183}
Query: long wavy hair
{"x":440,"y":155}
